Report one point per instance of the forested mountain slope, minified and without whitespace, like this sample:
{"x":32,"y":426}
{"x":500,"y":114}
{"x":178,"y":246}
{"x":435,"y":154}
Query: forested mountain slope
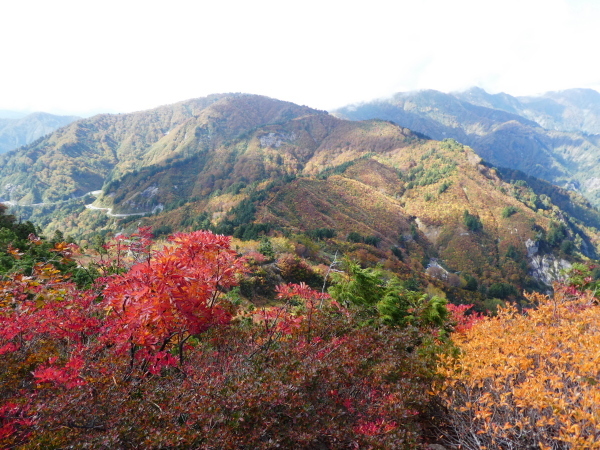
{"x":84,"y":155}
{"x":252,"y":166}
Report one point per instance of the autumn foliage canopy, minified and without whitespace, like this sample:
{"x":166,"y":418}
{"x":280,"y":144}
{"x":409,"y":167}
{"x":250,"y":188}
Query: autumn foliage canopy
{"x":146,"y":347}
{"x":156,"y":354}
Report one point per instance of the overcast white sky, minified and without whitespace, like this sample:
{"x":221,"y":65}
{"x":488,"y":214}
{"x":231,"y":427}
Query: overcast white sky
{"x":84,"y":56}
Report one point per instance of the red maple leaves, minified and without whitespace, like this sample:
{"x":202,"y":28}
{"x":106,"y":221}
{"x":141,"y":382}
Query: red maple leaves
{"x":68,"y":376}
{"x":153,"y":355}
{"x":147,"y":312}
{"x":173,"y":295}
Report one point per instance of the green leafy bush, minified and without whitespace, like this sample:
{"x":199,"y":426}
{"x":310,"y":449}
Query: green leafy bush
{"x":472,"y":222}
{"x":502,"y":290}
{"x":353,"y":236}
{"x":509,"y":211}
{"x":321,"y":233}
{"x":387,"y":301}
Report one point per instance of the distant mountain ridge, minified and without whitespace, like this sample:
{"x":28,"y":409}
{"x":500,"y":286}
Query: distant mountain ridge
{"x":9,"y":114}
{"x":17,"y":130}
{"x":571,"y":110}
{"x":507,"y":131}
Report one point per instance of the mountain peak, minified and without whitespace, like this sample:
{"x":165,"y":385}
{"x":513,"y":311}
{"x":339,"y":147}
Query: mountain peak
{"x":22,"y":130}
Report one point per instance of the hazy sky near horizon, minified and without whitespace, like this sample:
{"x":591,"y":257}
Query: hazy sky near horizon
{"x":82,"y":57}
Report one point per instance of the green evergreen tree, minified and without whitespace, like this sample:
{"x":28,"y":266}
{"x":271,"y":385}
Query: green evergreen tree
{"x":266,"y":248}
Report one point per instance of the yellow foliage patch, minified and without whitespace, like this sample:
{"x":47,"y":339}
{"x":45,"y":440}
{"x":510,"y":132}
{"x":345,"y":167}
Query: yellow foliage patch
{"x":527,"y":380}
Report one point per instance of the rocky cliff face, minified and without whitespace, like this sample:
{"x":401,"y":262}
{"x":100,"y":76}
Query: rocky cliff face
{"x":545,"y":268}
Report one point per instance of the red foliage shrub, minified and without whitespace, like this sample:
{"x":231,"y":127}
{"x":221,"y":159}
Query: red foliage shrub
{"x":463,"y":321}
{"x":105,"y":368}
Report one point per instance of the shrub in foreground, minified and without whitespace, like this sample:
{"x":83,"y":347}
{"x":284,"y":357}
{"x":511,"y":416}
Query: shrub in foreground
{"x":155,"y":356}
{"x":527,"y":380}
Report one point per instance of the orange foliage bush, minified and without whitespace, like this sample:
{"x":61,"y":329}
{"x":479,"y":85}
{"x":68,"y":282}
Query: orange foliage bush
{"x":527,"y":380}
